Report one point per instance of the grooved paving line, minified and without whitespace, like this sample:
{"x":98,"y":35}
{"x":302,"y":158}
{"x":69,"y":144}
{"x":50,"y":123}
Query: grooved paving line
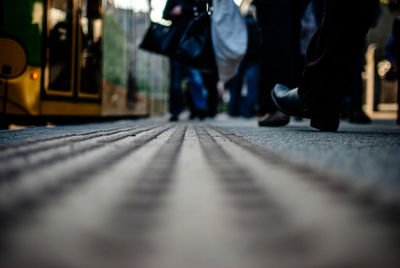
{"x":240,"y":186}
{"x":56,"y":138}
{"x":53,"y":143}
{"x":26,"y":201}
{"x":137,"y":214}
{"x":266,"y":211}
{"x":10,"y":171}
{"x":315,"y":206}
{"x":256,"y":211}
{"x":360,"y":194}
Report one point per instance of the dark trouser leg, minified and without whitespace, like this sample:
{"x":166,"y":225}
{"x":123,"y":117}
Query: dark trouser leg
{"x":357,"y":89}
{"x":332,"y":55}
{"x":252,"y":77}
{"x":210,"y":81}
{"x":235,"y":90}
{"x":280,"y":24}
{"x":176,"y":100}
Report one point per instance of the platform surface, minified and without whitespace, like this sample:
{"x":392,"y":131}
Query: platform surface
{"x":217,"y":193}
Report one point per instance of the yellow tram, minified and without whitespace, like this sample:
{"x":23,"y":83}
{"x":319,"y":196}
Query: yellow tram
{"x":75,"y":58}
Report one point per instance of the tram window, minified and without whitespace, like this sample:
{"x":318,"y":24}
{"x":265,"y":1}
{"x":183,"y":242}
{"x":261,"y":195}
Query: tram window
{"x":37,"y":15}
{"x":91,"y":33}
{"x":60,"y":45}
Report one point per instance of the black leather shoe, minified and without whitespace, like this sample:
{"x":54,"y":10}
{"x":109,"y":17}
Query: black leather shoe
{"x":288,"y":101}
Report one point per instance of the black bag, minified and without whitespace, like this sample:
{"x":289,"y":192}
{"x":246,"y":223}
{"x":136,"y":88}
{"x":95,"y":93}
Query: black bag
{"x":161,"y":39}
{"x":195,"y":47}
{"x":190,"y":43}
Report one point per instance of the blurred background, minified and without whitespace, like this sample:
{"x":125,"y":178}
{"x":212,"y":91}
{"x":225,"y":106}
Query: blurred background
{"x":71,"y":59}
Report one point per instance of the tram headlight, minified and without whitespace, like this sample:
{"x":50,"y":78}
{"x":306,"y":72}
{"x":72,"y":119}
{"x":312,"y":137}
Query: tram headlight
{"x":34,"y":76}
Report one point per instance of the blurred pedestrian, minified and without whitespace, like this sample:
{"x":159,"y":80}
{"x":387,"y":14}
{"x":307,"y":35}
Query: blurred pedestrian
{"x":281,"y":61}
{"x":331,"y":64}
{"x":245,"y":104}
{"x":180,"y":12}
{"x":210,"y":80}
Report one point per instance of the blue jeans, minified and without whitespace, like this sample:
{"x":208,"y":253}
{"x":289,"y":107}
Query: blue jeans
{"x":238,"y":104}
{"x":197,"y":89}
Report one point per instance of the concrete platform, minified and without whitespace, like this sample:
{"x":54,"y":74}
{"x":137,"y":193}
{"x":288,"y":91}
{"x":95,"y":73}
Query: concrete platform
{"x":219,"y":193}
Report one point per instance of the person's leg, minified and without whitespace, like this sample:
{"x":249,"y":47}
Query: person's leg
{"x":198,"y":92}
{"x":235,"y":89}
{"x":210,"y":81}
{"x":277,"y":65}
{"x":176,"y":100}
{"x":252,"y":79}
{"x":280,"y":24}
{"x":331,"y":59}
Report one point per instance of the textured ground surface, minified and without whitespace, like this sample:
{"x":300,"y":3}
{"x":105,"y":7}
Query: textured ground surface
{"x":222,"y":193}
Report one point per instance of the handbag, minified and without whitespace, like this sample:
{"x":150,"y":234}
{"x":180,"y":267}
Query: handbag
{"x":161,"y":39}
{"x":195,"y":46}
{"x":190,"y":44}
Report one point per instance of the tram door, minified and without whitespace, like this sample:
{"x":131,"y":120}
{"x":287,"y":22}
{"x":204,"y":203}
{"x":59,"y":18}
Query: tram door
{"x":89,"y":37}
{"x":59,"y":73}
{"x":73,"y":67}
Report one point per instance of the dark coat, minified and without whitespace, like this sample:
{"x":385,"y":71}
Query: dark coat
{"x":254,"y":39}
